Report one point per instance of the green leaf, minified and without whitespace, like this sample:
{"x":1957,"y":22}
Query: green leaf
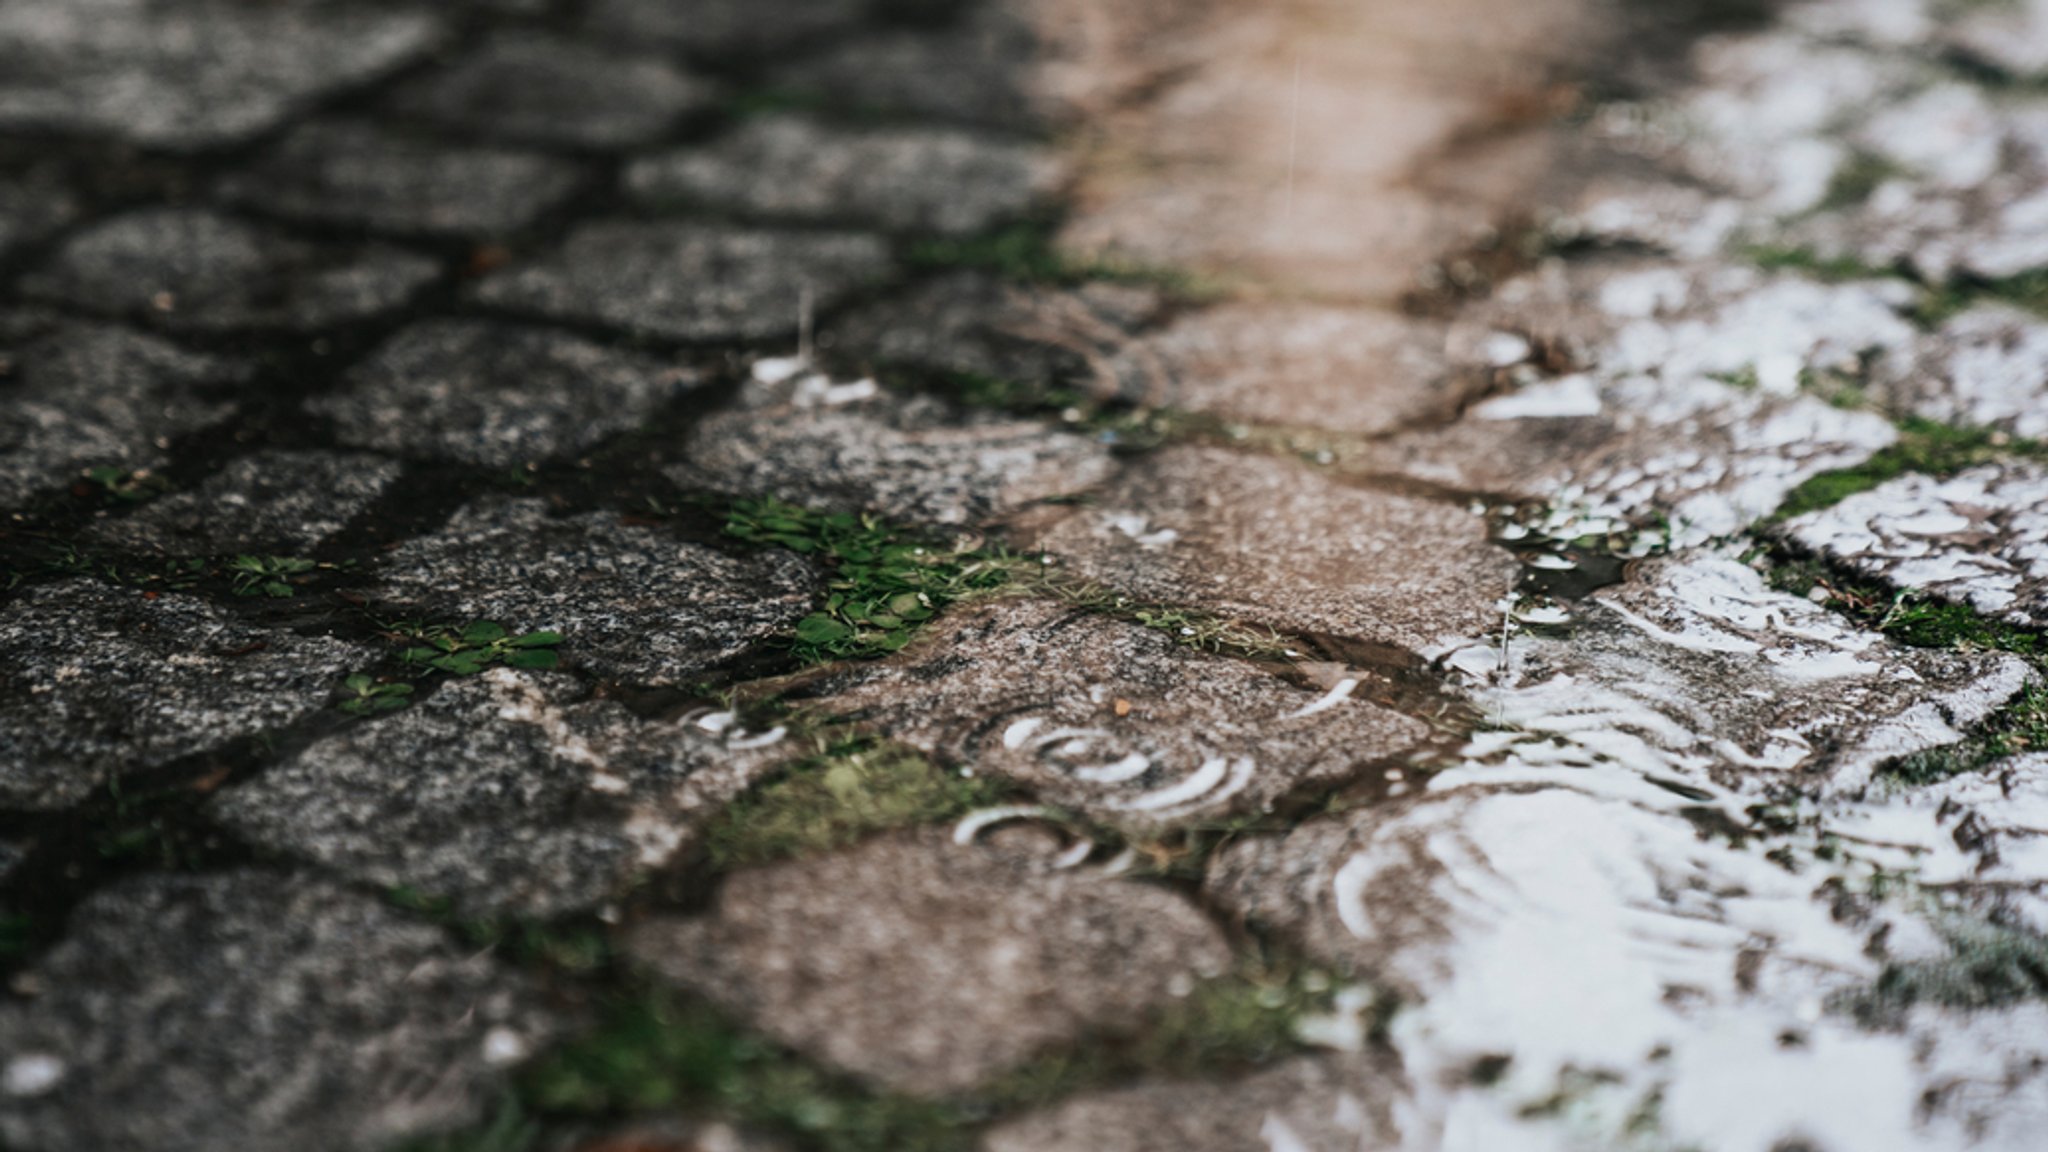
{"x":483,"y":632}
{"x":360,"y":682}
{"x":536,"y":640}
{"x":821,"y":630}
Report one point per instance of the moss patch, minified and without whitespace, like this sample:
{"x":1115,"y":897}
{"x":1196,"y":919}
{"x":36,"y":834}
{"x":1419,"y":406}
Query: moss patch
{"x":852,"y":788}
{"x":1988,"y":966}
{"x":1027,"y":252}
{"x":1924,"y":446}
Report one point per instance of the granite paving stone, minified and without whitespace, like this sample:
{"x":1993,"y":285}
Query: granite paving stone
{"x":81,"y":396}
{"x":351,"y":173}
{"x":975,"y":70}
{"x":497,"y":394}
{"x":259,"y":1011}
{"x":716,"y":30}
{"x":1327,"y":1104}
{"x":854,"y":447}
{"x":267,"y":503}
{"x":1985,"y":367}
{"x":1345,"y":370}
{"x":197,"y":271}
{"x":192,"y":74}
{"x":1979,"y":537}
{"x":1276,"y":543}
{"x":932,"y":180}
{"x":928,"y":967}
{"x":532,"y":89}
{"x":32,"y":207}
{"x":507,"y":793}
{"x":976,"y":326}
{"x":103,"y":680}
{"x":633,"y":604}
{"x":1113,"y":719}
{"x":685,"y":281}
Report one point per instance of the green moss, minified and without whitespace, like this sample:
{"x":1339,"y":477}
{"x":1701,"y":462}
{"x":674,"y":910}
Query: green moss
{"x":1988,"y":966}
{"x":1831,"y":269}
{"x":1855,"y":180}
{"x":851,"y":789}
{"x":1924,"y":446}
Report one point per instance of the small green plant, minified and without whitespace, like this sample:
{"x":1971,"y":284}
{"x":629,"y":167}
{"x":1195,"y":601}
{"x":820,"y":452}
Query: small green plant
{"x":478,"y":646}
{"x":124,"y":485}
{"x":886,"y":582}
{"x":366,"y":697}
{"x":270,"y":576}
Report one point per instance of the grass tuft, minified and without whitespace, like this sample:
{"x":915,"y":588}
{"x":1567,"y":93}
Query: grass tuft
{"x":1924,"y":446}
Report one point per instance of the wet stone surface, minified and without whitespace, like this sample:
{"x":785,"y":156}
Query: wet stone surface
{"x":1115,"y":720}
{"x":897,"y":179}
{"x":930,"y":966}
{"x":102,"y":681}
{"x":1979,"y":537}
{"x":81,"y":396}
{"x":633,"y":604}
{"x":853,"y":447}
{"x":1273,"y":542}
{"x":689,"y":281}
{"x":1986,"y":367}
{"x":254,"y":1010}
{"x":505,"y":793}
{"x":191,"y":74}
{"x":1328,"y":1103}
{"x":277,"y":503}
{"x":496,"y":394}
{"x":351,"y":173}
{"x":197,"y":271}
{"x":536,"y":90}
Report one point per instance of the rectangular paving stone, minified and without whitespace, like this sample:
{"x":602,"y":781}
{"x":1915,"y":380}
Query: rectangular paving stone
{"x":101,"y":681}
{"x":197,"y":271}
{"x":633,"y":604}
{"x":853,"y":447}
{"x":255,"y":1010}
{"x":507,"y":793}
{"x":554,"y":91}
{"x":1978,"y":538}
{"x":266,"y":503}
{"x":1112,"y":719}
{"x":496,"y":394}
{"x":689,"y":281}
{"x":908,"y":179}
{"x":81,"y":396}
{"x":1360,"y":371}
{"x":929,"y":967}
{"x":191,"y":74}
{"x":1273,"y":542}
{"x":354,"y":174}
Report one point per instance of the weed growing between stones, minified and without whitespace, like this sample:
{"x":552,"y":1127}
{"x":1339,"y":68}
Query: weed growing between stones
{"x":1924,"y":446}
{"x":272,"y":576}
{"x":849,"y":789}
{"x":1924,"y":622}
{"x":474,"y":647}
{"x":365,"y":695}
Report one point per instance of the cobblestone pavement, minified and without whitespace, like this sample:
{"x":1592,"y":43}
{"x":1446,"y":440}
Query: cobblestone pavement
{"x":1023,"y":575}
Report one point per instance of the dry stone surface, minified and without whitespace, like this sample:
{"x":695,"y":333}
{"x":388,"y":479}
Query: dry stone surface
{"x":506,"y":793}
{"x":853,"y":447}
{"x":634,"y":604}
{"x":76,"y":397}
{"x":898,"y":179}
{"x":496,"y":394}
{"x":354,"y":174}
{"x":533,"y":90}
{"x":259,"y":1011}
{"x":102,"y":681}
{"x":196,"y":271}
{"x":689,"y":281}
{"x":1273,"y":542}
{"x":190,"y":74}
{"x":266,"y":503}
{"x":927,"y":966}
{"x":1113,"y":719}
